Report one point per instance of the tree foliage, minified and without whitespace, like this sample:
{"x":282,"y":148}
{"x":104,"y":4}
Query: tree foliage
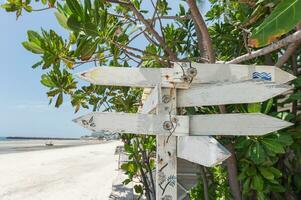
{"x":104,"y":32}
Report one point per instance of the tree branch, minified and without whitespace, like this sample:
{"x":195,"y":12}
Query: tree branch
{"x":206,"y":41}
{"x":289,"y":51}
{"x":274,"y":46}
{"x":199,"y":21}
{"x":148,"y":26}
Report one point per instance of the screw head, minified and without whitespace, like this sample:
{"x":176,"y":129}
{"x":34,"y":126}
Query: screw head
{"x":167,"y":125}
{"x":185,"y":78}
{"x":192,"y":72}
{"x":166,"y":99}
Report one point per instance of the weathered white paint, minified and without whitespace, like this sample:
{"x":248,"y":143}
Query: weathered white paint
{"x":167,"y":77}
{"x":185,"y":148}
{"x":152,"y":101}
{"x":201,"y":125}
{"x":208,"y":73}
{"x":229,"y":93}
{"x":133,"y":77}
{"x":205,"y":151}
{"x":235,"y":124}
{"x":166,"y":170}
{"x":132,"y":123}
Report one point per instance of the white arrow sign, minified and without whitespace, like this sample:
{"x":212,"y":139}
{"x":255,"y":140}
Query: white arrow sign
{"x":185,"y":144}
{"x":229,"y":93}
{"x":205,"y":151}
{"x":206,"y":73}
{"x":212,"y":124}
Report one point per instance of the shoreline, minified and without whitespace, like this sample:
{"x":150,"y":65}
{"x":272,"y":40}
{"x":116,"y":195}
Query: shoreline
{"x":28,"y":145}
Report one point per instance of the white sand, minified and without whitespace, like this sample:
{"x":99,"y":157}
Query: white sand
{"x":74,"y":173}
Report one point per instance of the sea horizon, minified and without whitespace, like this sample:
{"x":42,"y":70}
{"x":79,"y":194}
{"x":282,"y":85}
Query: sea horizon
{"x":5,"y":138}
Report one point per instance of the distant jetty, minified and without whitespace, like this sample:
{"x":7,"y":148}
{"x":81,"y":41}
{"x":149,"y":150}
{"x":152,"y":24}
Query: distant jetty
{"x":39,"y":138}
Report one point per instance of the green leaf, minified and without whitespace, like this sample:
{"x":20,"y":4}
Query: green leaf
{"x":296,"y":96}
{"x":266,"y":173}
{"x":75,"y":7}
{"x":62,"y":19}
{"x":34,"y":37}
{"x":46,"y":81}
{"x":257,"y":153}
{"x":34,"y":48}
{"x":254,"y":107}
{"x":268,"y":105}
{"x":51,"y":3}
{"x":126,"y":181}
{"x":74,"y":24}
{"x":138,"y":189}
{"x":277,"y":173}
{"x":283,"y":19}
{"x":273,"y":145}
{"x":285,"y":139}
{"x":88,"y":49}
{"x":257,"y":183}
{"x":59,"y":100}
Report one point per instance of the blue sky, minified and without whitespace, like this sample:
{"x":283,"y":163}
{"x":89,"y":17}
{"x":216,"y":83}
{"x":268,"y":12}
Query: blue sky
{"x":23,"y":102}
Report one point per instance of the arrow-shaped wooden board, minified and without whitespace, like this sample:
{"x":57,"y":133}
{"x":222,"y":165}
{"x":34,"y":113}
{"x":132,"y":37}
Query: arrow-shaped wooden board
{"x":206,"y":73}
{"x":201,"y":144}
{"x":202,"y":150}
{"x":212,"y":124}
{"x":229,"y":93}
{"x":132,"y":123}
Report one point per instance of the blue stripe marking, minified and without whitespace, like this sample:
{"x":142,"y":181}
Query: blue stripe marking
{"x":262,"y":76}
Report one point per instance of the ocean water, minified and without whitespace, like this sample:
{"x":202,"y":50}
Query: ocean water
{"x":2,"y":138}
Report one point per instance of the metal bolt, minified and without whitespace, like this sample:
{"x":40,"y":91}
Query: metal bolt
{"x":174,"y":120}
{"x":167,"y":125}
{"x":166,"y":99}
{"x":185,"y":78}
{"x":192,"y":72}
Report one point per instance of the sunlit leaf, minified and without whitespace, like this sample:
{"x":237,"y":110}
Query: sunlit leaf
{"x":34,"y":48}
{"x":283,"y":18}
{"x":62,"y":19}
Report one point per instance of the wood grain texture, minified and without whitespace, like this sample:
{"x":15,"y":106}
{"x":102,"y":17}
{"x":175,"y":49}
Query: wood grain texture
{"x":229,"y":93}
{"x":212,"y":73}
{"x":235,"y":124}
{"x":171,"y":77}
{"x":131,"y":123}
{"x":205,"y":151}
{"x":166,"y":170}
{"x":152,"y":101}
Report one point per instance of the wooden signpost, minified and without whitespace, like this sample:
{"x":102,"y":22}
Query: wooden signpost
{"x":187,"y":85}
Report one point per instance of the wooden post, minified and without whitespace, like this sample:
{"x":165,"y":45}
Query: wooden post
{"x":166,"y":170}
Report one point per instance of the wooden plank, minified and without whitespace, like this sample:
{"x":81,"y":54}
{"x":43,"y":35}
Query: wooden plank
{"x":167,"y":77}
{"x":201,"y":125}
{"x":132,"y":123}
{"x":205,"y":151}
{"x":229,"y":93}
{"x":208,"y":73}
{"x":166,"y":170}
{"x":235,"y":124}
{"x":152,"y":101}
{"x":187,"y":171}
{"x":133,"y":77}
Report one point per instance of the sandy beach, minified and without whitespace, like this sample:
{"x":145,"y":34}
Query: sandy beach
{"x":73,"y":173}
